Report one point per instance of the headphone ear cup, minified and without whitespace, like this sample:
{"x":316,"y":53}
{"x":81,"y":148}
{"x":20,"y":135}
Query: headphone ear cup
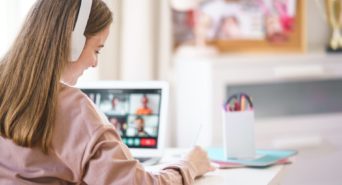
{"x":78,"y":39}
{"x":77,"y":44}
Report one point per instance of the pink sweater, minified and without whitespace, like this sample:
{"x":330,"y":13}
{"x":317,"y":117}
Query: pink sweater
{"x":86,"y":150}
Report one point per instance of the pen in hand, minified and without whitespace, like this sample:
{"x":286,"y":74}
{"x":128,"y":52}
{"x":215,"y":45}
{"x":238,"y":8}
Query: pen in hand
{"x":197,"y":135}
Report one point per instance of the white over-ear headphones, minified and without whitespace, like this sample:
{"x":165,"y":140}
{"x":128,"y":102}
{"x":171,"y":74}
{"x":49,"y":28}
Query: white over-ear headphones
{"x":77,"y":38}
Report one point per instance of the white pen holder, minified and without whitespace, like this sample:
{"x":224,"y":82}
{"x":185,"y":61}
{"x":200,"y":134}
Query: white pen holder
{"x":238,"y":134}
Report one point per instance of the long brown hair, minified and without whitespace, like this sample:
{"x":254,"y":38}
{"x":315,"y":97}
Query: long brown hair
{"x":30,"y":71}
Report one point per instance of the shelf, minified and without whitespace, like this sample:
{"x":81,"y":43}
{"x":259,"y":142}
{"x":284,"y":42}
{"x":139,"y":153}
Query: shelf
{"x":202,"y":83}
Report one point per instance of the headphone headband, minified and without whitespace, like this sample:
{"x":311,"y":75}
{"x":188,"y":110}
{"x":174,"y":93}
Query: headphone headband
{"x":83,"y":16}
{"x":77,"y":38}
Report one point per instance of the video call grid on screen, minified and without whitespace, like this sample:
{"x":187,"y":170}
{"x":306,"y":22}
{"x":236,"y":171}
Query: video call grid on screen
{"x":138,"y":125}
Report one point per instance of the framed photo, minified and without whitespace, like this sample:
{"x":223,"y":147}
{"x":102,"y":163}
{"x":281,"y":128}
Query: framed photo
{"x":243,"y":25}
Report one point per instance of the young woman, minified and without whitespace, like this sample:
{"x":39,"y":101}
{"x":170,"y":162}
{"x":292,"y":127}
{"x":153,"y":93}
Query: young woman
{"x":51,"y":133}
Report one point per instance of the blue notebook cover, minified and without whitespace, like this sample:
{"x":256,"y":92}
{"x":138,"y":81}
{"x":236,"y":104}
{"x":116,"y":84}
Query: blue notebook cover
{"x":263,"y":157}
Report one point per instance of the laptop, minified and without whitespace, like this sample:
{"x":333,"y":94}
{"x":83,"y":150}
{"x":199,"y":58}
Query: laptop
{"x":138,"y":112}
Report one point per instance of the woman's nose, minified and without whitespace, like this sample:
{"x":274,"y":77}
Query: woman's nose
{"x":94,"y":63}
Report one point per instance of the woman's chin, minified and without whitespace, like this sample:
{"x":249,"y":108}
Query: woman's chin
{"x":70,"y":82}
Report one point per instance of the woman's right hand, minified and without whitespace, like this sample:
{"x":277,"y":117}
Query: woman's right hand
{"x":199,"y":159}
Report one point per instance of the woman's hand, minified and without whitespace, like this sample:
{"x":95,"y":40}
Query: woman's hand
{"x":199,"y":159}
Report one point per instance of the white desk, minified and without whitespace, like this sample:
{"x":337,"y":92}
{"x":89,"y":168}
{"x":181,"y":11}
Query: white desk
{"x":242,"y":176}
{"x":237,"y":176}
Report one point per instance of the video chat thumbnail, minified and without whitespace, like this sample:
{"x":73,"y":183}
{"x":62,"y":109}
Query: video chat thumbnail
{"x":134,"y":114}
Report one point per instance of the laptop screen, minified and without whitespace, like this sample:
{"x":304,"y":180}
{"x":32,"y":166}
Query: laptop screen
{"x":135,"y":113}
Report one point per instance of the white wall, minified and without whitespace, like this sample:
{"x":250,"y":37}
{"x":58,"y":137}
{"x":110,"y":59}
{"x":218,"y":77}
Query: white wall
{"x":12,"y":15}
{"x":138,"y":41}
{"x":317,"y":29}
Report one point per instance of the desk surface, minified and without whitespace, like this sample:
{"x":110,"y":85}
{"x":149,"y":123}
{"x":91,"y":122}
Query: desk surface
{"x":242,"y":176}
{"x":234,"y":176}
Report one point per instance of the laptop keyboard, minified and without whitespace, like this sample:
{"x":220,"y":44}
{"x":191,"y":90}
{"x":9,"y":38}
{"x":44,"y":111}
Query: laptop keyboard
{"x":143,"y":159}
{"x":146,"y":161}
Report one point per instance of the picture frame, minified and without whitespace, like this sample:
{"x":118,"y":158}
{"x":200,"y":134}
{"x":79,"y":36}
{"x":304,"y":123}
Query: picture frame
{"x":248,"y":26}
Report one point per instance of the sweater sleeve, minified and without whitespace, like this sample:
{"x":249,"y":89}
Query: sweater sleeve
{"x":108,"y":161}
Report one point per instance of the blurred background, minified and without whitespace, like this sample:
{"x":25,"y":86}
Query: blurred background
{"x":277,"y":51}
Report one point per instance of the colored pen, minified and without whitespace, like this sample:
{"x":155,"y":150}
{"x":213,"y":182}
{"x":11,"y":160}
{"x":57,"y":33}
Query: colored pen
{"x":243,"y":103}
